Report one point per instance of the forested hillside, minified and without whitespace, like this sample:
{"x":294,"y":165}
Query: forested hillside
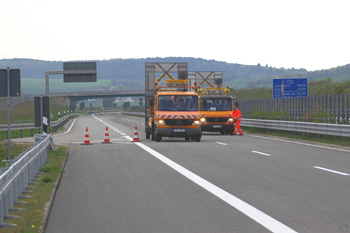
{"x":129,"y":73}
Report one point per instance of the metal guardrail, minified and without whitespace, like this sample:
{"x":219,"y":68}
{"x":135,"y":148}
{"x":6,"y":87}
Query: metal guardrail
{"x":342,"y":130}
{"x":19,"y":173}
{"x":54,"y":124}
{"x":302,"y":127}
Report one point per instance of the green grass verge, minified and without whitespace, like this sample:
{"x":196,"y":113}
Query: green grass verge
{"x":33,"y":218}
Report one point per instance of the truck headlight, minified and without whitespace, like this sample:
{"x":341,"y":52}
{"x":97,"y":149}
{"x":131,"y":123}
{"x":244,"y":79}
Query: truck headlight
{"x":196,"y":122}
{"x":161,"y":122}
{"x":202,"y":120}
{"x":230,"y":120}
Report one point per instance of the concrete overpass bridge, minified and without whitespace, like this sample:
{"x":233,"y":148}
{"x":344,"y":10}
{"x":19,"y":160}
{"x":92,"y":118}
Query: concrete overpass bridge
{"x":83,"y":95}
{"x":106,"y":95}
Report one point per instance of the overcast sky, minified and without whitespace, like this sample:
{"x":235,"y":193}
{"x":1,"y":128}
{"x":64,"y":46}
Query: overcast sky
{"x":310,"y":34}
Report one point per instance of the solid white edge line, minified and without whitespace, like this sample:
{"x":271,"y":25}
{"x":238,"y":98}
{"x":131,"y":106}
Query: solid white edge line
{"x":300,"y":143}
{"x":329,"y":170}
{"x":258,"y":152}
{"x":255,"y":214}
{"x":70,"y":127}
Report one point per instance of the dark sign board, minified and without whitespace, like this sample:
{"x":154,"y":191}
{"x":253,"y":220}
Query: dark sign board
{"x":15,"y":82}
{"x":80,"y":72}
{"x":42,"y":112}
{"x":289,"y":87}
{"x":37,"y":112}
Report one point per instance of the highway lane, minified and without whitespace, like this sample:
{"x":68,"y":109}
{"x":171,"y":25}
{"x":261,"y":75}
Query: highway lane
{"x":281,"y":179}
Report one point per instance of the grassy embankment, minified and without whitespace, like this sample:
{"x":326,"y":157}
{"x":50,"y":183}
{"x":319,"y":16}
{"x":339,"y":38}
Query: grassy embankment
{"x":24,"y":113}
{"x":321,"y":87}
{"x":33,"y":217}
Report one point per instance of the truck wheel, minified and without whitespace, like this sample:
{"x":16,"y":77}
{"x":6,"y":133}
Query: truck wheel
{"x":197,"y":138}
{"x":152,"y":134}
{"x":158,"y":137}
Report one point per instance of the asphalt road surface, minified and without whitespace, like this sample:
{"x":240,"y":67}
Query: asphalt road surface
{"x":224,"y":183}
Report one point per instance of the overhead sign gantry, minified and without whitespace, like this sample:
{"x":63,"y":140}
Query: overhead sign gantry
{"x":75,"y":72}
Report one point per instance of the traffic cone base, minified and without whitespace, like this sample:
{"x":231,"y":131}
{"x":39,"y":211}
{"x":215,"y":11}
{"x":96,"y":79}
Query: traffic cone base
{"x":86,"y":138}
{"x":136,"y":135}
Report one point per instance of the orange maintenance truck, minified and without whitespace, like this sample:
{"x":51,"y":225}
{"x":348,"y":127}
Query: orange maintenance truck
{"x":216,"y":102}
{"x":172,"y":106}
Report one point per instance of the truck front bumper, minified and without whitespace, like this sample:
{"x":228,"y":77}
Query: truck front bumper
{"x":176,"y":132}
{"x":217,"y":128}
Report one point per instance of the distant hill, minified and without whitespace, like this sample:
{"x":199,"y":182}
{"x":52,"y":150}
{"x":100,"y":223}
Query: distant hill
{"x":130,"y":73}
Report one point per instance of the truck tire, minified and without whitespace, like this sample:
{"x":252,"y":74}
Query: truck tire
{"x":152,"y":134}
{"x":197,"y":138}
{"x":158,"y":137}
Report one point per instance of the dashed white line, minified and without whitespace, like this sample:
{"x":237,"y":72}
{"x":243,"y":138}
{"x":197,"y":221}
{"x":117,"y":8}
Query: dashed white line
{"x":255,"y":214}
{"x":262,"y":153}
{"x":333,"y":171}
{"x":252,"y":212}
{"x":221,"y":143}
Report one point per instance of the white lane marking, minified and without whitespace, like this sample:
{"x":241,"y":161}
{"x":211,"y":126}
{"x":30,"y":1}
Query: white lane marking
{"x":252,"y":212}
{"x":329,"y":170}
{"x":300,"y":143}
{"x":258,"y":152}
{"x":70,"y":127}
{"x":255,"y":214}
{"x":221,"y":143}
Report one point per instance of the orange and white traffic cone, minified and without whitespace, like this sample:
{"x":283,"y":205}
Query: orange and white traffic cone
{"x":136,"y":135}
{"x":86,"y":138}
{"x":106,"y":138}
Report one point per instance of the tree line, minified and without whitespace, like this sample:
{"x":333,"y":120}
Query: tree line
{"x":130,"y":72}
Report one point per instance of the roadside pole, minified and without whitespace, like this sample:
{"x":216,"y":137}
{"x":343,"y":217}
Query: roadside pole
{"x":8,"y":117}
{"x":10,"y":86}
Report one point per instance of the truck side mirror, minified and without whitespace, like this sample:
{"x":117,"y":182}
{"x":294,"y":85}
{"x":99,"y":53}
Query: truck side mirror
{"x":151,"y":102}
{"x":236,"y":104}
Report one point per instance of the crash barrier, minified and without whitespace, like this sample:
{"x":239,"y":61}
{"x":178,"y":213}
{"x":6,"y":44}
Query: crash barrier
{"x":297,"y":126}
{"x":55,"y":125}
{"x":20,"y":172}
{"x":324,"y":108}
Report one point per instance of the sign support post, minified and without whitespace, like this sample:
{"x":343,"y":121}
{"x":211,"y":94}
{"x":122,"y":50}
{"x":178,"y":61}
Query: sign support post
{"x":10,"y":86}
{"x":8,"y":117}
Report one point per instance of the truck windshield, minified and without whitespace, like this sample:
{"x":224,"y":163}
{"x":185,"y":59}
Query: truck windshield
{"x":217,"y":105}
{"x":178,"y":103}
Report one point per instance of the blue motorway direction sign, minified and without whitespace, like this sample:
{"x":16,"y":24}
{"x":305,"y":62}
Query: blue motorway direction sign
{"x":289,"y":87}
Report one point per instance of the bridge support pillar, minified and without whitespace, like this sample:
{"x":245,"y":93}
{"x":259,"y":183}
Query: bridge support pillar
{"x":108,"y":102}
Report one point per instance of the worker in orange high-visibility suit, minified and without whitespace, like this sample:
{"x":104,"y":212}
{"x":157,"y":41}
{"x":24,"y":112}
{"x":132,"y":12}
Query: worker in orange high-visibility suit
{"x":237,"y":116}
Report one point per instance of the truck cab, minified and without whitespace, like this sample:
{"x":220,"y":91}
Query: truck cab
{"x":175,"y":114}
{"x":172,"y":106}
{"x":216,"y":115}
